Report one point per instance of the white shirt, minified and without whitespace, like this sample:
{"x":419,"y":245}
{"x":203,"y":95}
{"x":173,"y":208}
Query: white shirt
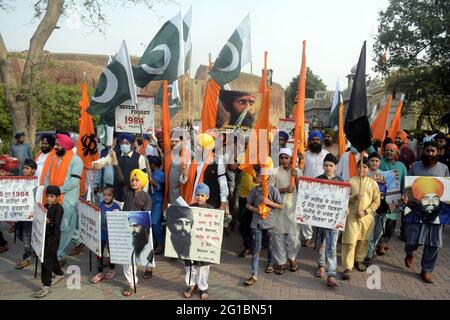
{"x":314,"y":163}
{"x":343,"y":168}
{"x":40,"y":161}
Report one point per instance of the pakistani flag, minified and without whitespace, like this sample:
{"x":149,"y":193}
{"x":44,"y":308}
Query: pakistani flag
{"x":174,"y":98}
{"x":234,"y":55}
{"x":116,"y":85}
{"x":164,"y":57}
{"x":187,"y":40}
{"x":334,"y":114}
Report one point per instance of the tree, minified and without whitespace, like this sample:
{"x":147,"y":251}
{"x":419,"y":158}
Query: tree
{"x":415,"y":36}
{"x":19,"y":83}
{"x":313,"y":84}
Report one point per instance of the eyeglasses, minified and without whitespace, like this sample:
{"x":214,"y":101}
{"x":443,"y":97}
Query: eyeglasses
{"x":246,"y":101}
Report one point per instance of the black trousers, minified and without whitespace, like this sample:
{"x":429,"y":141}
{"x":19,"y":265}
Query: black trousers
{"x":388,"y":231}
{"x":51,"y":263}
{"x":3,"y":242}
{"x":246,"y":221}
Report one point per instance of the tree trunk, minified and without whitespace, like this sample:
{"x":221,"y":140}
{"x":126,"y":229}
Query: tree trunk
{"x":24,"y":116}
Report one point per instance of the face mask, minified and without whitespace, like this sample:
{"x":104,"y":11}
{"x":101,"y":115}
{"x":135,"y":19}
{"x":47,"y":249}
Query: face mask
{"x":125,"y":148}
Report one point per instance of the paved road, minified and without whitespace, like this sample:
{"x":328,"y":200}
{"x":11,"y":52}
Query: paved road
{"x":226,"y":279}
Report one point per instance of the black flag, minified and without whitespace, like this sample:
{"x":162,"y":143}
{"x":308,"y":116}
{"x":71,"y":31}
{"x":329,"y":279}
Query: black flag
{"x":357,"y":126}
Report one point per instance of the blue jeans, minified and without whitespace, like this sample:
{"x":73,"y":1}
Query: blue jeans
{"x":326,"y":246}
{"x":156,"y":223}
{"x":378,"y":231}
{"x":429,"y":256}
{"x":257,"y":235}
{"x":23,"y":232}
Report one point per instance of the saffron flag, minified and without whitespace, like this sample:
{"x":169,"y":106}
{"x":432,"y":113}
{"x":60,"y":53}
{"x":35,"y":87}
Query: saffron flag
{"x":87,"y":143}
{"x":379,"y":125}
{"x":395,"y":124}
{"x":166,"y":140}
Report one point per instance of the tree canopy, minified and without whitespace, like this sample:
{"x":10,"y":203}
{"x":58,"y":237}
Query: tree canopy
{"x":313,"y":84}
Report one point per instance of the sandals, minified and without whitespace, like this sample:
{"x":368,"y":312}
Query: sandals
{"x":204,"y":295}
{"x":43,"y":292}
{"x":320,"y":273}
{"x":250,"y":281}
{"x":23,"y":264}
{"x":148,"y":274}
{"x":361,"y":267}
{"x":270,"y":269}
{"x":110,"y":274}
{"x":279,"y":270}
{"x":293,"y":264}
{"x":98,"y":277}
{"x":127,"y":292}
{"x":190,"y":291}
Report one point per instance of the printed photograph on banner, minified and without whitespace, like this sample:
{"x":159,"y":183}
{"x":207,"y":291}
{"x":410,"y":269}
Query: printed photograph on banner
{"x":393,"y":195}
{"x":322,"y":203}
{"x":38,"y":230}
{"x":130,"y":238}
{"x":17,"y":198}
{"x":429,"y":200}
{"x":90,"y":226}
{"x":237,"y":110}
{"x":194,"y":233}
{"x":128,"y":119}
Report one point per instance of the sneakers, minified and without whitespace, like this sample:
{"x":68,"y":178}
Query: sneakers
{"x":409,"y":261}
{"x":56,"y":279}
{"x":77,"y":250}
{"x":426,"y":277}
{"x":43,"y":292}
{"x":250,"y":281}
{"x":23,"y":264}
{"x":293,"y":265}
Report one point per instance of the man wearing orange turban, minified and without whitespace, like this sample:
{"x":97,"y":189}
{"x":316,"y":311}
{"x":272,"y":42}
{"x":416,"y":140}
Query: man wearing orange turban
{"x":423,"y":219}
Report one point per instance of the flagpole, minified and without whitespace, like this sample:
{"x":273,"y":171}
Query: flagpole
{"x":147,"y":165}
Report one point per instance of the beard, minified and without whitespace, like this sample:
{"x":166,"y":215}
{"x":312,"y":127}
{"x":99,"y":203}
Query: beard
{"x":399,"y":144}
{"x":46,"y":150}
{"x":315,"y":147}
{"x":140,"y":240}
{"x":181,"y":242}
{"x":429,"y":161}
{"x":60,"y":153}
{"x":328,"y":143}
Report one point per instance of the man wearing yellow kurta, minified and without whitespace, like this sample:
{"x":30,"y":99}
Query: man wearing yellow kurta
{"x":364,"y":201}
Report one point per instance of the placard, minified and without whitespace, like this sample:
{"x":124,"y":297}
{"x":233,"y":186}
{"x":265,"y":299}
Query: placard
{"x":130,"y":234}
{"x":17,"y":198}
{"x":128,"y":119}
{"x":322,"y":203}
{"x":393,"y":185}
{"x":90,"y":226}
{"x":38,"y":230}
{"x":194,"y":233}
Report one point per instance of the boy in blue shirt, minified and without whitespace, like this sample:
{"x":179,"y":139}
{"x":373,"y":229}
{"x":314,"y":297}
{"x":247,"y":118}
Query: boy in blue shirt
{"x":157,"y":182}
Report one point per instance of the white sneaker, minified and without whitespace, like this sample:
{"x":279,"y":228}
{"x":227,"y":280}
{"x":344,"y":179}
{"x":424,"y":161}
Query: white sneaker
{"x":57,"y":279}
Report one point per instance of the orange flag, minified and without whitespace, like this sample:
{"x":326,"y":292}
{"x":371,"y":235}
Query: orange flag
{"x":395,"y":124}
{"x":166,"y":140}
{"x":87,"y":144}
{"x":341,"y":133}
{"x":379,"y":125}
{"x":299,"y":114}
{"x":209,"y":109}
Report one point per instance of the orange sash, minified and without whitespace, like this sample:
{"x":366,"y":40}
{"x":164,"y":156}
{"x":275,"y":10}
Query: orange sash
{"x":58,"y":173}
{"x":352,"y":165}
{"x":188,"y":189}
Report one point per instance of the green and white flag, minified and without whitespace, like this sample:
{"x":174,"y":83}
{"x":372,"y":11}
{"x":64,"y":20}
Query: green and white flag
{"x":115,"y":86}
{"x":174,"y":98}
{"x":164,"y":57}
{"x":236,"y":54}
{"x":187,"y":40}
{"x":334,"y":114}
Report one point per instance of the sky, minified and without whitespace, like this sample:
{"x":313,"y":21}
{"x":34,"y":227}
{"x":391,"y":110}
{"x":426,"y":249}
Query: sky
{"x":334,"y":32}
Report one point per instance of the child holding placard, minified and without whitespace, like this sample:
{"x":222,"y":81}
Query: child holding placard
{"x":197,"y":272}
{"x":55,"y":213}
{"x":107,"y":205}
{"x":23,"y":228}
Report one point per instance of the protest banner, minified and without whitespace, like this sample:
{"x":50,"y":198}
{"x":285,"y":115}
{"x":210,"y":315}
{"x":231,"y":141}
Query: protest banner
{"x":17,"y":198}
{"x":38,"y":230}
{"x":393,"y":185}
{"x":128,"y":119}
{"x":322,"y":203}
{"x":90,"y":226}
{"x":130,"y":234}
{"x":194,"y":233}
{"x":429,"y":200}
